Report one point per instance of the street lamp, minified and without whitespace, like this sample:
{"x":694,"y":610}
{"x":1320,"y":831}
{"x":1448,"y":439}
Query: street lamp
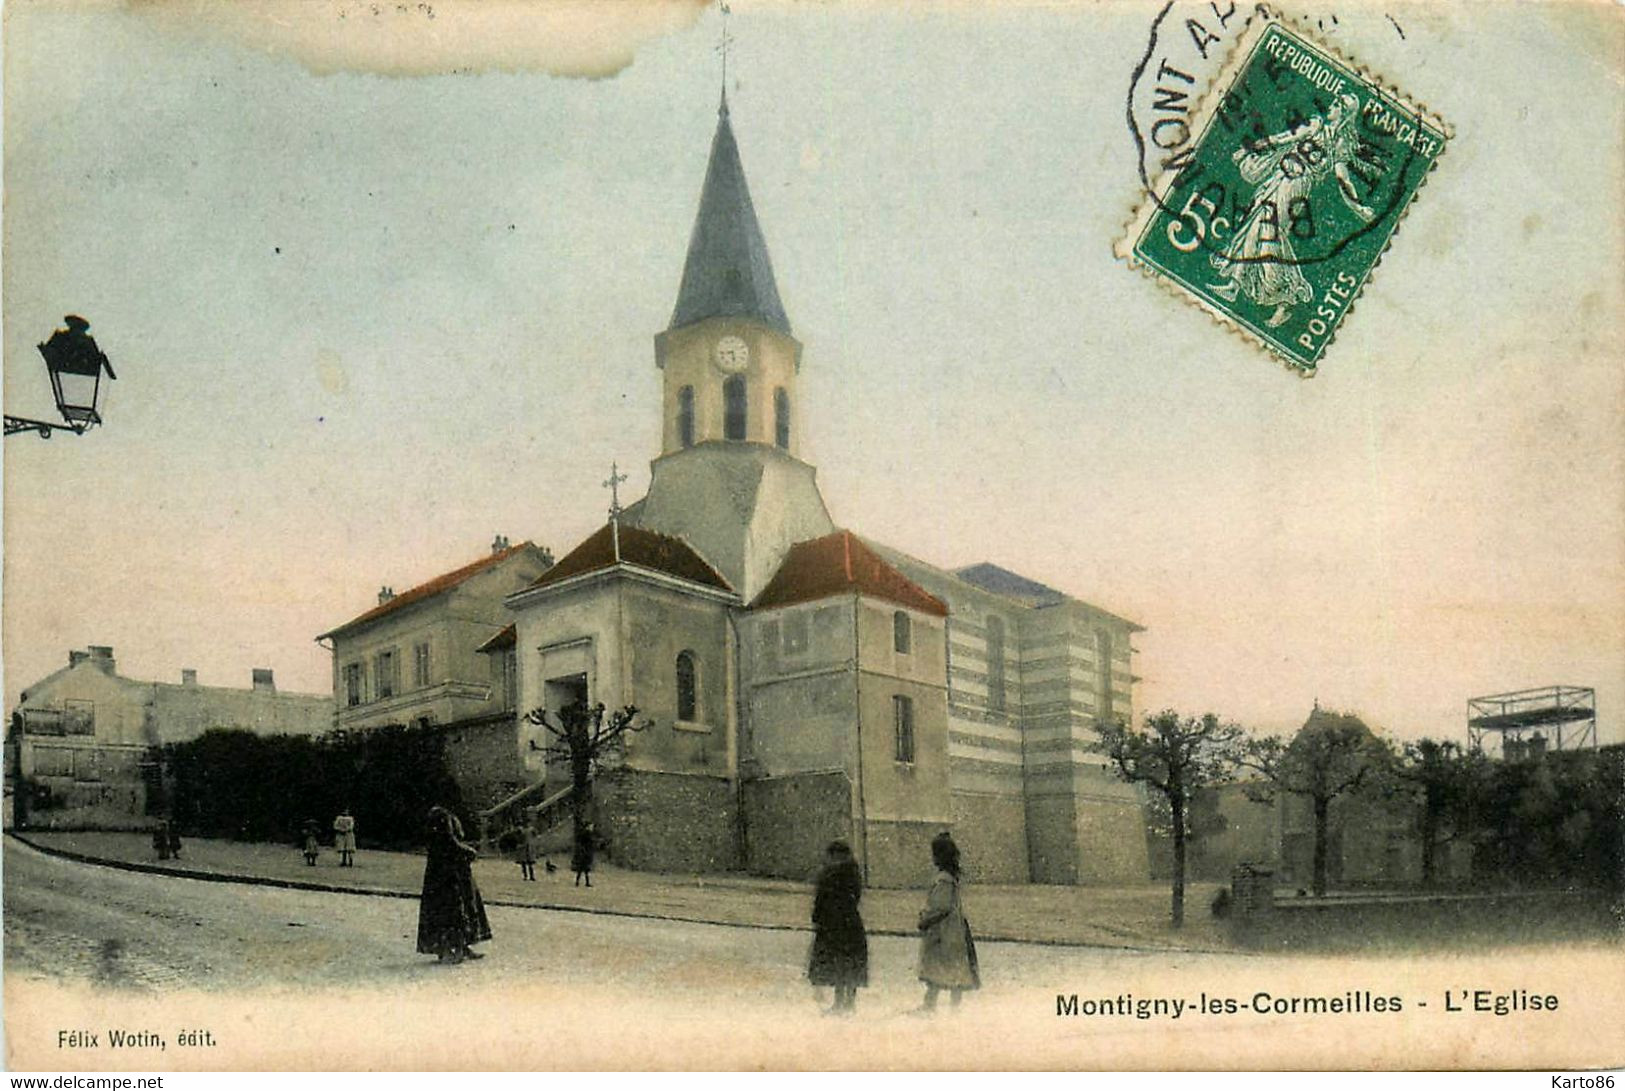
{"x":75,"y":365}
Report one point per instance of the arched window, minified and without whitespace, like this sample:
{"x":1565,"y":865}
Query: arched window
{"x":781,"y":418}
{"x":687,"y":687}
{"x":902,"y":635}
{"x":1103,"y":674}
{"x":685,"y":416}
{"x":995,"y":664}
{"x":733,"y":408}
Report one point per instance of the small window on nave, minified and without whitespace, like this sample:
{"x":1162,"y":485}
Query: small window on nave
{"x":733,"y":408}
{"x":794,"y":634}
{"x":1103,"y":668}
{"x":995,"y":664}
{"x":903,"y":728}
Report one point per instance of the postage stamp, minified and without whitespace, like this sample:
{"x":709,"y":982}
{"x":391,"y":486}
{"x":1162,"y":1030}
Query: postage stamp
{"x":1275,"y":215}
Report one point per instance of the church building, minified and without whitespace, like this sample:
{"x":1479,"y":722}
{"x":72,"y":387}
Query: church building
{"x":800,"y":681}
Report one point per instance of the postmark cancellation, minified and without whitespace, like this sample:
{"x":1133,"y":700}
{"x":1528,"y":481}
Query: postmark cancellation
{"x":1302,"y":167}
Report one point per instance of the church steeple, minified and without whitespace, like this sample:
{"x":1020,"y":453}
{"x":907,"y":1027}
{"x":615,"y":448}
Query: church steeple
{"x":730,"y":480}
{"x":728,"y":273}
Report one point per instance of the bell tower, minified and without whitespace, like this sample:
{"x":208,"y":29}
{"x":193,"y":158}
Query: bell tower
{"x":730,"y":480}
{"x":728,"y":357}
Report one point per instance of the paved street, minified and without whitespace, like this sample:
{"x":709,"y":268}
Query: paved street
{"x":619,"y":990}
{"x":147,"y":931}
{"x":1126,"y":916}
{"x":296,"y":979}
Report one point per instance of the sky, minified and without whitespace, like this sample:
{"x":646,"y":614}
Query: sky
{"x":379,"y":287}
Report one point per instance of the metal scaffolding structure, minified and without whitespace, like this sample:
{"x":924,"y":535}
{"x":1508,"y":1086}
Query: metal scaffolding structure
{"x":1540,"y":710}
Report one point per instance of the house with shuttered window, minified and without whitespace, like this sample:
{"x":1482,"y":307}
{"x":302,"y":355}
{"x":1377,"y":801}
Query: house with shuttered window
{"x":414,"y":658}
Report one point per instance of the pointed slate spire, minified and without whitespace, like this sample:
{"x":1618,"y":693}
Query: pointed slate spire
{"x":728,"y":272}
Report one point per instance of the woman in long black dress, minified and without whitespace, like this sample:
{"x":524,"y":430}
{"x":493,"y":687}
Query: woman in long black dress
{"x":840,"y":950}
{"x":451,"y":913}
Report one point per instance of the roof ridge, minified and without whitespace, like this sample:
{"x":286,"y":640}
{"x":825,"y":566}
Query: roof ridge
{"x":433,"y":586}
{"x":812,"y":569}
{"x":593,"y":554}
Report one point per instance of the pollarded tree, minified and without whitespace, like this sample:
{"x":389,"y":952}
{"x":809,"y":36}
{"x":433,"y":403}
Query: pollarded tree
{"x":580,"y":735}
{"x":1331,"y":755}
{"x":1176,"y":756}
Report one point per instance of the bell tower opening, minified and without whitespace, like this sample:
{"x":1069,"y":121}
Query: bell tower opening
{"x":781,"y":419}
{"x":735,"y":408}
{"x":685,"y":416}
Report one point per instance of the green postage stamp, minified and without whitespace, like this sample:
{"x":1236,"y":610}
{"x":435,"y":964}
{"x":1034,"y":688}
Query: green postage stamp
{"x":1275,"y":215}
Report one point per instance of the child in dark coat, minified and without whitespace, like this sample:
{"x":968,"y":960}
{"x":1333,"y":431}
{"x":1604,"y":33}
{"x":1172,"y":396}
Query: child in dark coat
{"x":527,"y":854}
{"x":581,"y":855}
{"x":840,"y":949}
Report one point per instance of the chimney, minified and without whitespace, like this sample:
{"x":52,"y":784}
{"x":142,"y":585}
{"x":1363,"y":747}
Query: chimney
{"x":102,"y":656}
{"x":76,"y":658}
{"x":263,"y":680}
{"x":499,"y":543}
{"x":188,"y":676}
{"x":385,"y":594}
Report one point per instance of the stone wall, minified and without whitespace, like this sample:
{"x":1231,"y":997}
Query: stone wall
{"x":82,"y":805}
{"x":991,"y":832}
{"x":483,"y":758}
{"x":656,"y":821}
{"x":789,"y":820}
{"x":1112,"y":843}
{"x":1052,"y":837}
{"x":83,"y":786}
{"x":899,"y":853}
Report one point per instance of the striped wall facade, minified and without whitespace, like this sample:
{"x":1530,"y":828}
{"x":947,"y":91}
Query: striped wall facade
{"x":1033,"y":799}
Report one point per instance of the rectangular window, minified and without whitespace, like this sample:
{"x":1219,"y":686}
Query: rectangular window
{"x":902,"y":636}
{"x":794,"y":634}
{"x":352,"y":685}
{"x":78,"y":717}
{"x":767,"y":646}
{"x":903,"y":714}
{"x":53,"y":761}
{"x":384,"y":674}
{"x":420,"y":665}
{"x":42,"y":721}
{"x":510,"y":679}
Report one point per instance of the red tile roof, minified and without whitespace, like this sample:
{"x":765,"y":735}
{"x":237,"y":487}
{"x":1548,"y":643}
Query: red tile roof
{"x":507,"y":638}
{"x":431,"y":588}
{"x":640,"y":547}
{"x":841,"y":563}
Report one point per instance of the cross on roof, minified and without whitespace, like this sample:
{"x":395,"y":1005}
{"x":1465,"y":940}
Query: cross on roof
{"x":614,"y":487}
{"x":722,"y":45}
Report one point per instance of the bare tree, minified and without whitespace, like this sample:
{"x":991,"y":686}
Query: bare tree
{"x":1332,"y":754}
{"x":1176,"y":756}
{"x":581,"y":735}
